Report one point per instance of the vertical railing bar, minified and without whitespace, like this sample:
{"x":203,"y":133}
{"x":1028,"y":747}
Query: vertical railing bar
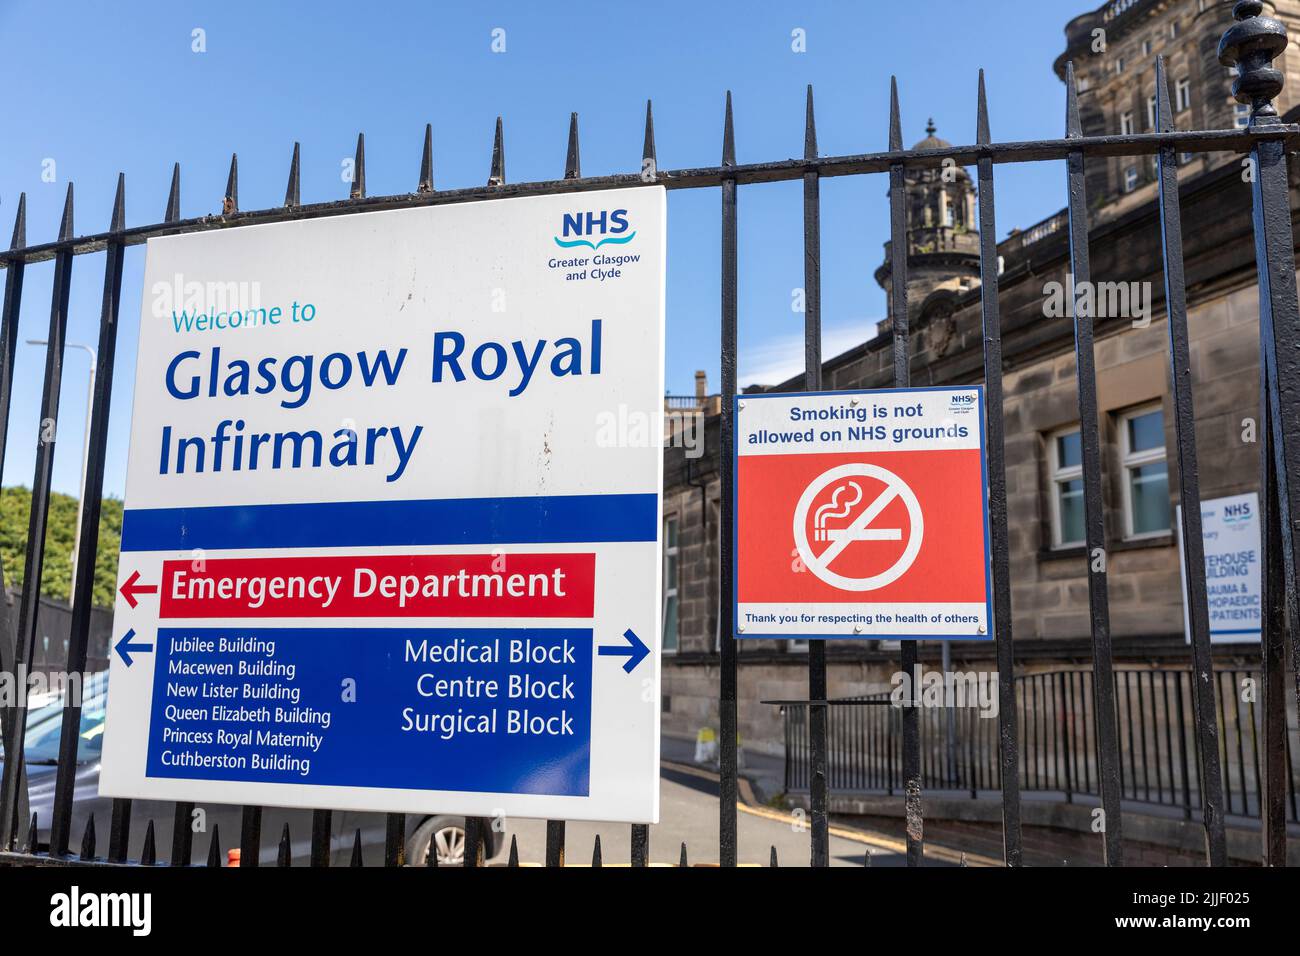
{"x":727,"y":718}
{"x":119,"y":831}
{"x":640,"y":844}
{"x":182,"y":835}
{"x":322,"y":824}
{"x":1142,"y":736}
{"x":1125,"y":714}
{"x":1182,"y":746}
{"x":902,"y":379}
{"x":1067,"y":732}
{"x":474,"y":842}
{"x":182,"y":826}
{"x":250,"y":837}
{"x":29,"y":606}
{"x":1252,"y":725}
{"x":1103,"y":686}
{"x":819,"y":728}
{"x":1251,"y":45}
{"x":1223,"y":739}
{"x":1272,"y":805}
{"x":1189,"y":479}
{"x":395,"y":839}
{"x":87,"y":548}
{"x":1234,"y":682}
{"x":555,"y":843}
{"x":1167,"y":710}
{"x":8,"y":347}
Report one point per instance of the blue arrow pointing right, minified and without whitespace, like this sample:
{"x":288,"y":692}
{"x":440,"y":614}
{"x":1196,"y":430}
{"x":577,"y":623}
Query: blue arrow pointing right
{"x":635,"y":651}
{"x":124,"y":647}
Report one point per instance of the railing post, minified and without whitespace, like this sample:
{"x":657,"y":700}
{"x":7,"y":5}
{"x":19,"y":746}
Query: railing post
{"x":1251,"y":45}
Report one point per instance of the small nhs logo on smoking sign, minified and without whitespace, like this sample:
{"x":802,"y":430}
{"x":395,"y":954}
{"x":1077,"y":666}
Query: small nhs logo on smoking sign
{"x":593,"y":230}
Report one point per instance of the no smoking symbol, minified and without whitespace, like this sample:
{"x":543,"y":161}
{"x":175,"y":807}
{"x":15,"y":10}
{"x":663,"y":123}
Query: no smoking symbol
{"x":860,"y":510}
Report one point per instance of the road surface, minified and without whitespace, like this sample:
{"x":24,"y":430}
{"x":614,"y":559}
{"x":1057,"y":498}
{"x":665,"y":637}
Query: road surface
{"x":689,"y":813}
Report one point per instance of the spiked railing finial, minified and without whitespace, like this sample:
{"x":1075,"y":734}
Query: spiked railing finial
{"x":649,"y":162}
{"x":426,"y":161}
{"x":809,"y":129}
{"x":728,"y":136}
{"x":173,"y":213}
{"x":982,"y":135}
{"x":572,"y":163}
{"x":1073,"y":123}
{"x":895,"y":117}
{"x":358,"y":190}
{"x":293,"y":190}
{"x":497,"y":177}
{"x":20,"y":224}
{"x":118,"y":222}
{"x":231,"y":202}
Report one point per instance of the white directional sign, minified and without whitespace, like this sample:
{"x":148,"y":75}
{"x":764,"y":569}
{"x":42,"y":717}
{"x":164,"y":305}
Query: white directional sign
{"x":391,"y":530}
{"x":1231,"y":532}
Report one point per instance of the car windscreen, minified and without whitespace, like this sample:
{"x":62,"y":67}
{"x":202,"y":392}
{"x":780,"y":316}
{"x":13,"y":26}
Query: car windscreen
{"x":45,"y":724}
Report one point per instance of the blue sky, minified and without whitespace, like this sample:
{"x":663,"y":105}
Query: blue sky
{"x":103,"y":88}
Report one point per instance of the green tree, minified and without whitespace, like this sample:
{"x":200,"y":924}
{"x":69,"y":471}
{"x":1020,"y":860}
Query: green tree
{"x":60,"y":535}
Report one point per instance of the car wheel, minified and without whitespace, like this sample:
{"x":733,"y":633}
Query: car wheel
{"x":444,"y":835}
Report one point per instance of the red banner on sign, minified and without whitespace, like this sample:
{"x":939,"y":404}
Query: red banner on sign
{"x":417,"y":585}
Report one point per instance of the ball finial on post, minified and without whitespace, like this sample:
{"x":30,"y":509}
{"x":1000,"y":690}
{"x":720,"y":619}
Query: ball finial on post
{"x":1251,"y":45}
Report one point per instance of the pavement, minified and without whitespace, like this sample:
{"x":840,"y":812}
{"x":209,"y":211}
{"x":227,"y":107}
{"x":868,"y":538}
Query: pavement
{"x":689,"y":814}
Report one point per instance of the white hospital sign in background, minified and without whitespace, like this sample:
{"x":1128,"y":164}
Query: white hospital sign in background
{"x":381,"y":549}
{"x":1230,"y":529}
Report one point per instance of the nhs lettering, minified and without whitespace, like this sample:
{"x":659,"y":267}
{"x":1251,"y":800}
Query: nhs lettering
{"x":581,"y":228}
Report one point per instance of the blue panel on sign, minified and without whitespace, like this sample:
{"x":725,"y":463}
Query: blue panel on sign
{"x":469,"y":709}
{"x":545,"y":519}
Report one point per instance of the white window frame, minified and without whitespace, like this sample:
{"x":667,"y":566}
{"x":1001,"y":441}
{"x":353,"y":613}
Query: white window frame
{"x":1119,"y":65}
{"x":1183,"y":95}
{"x":1151,"y":112}
{"x":1126,"y":123}
{"x":671,"y":589}
{"x":1241,"y":115}
{"x":1130,"y":179}
{"x":1146,"y":47}
{"x":1129,"y":460}
{"x":1057,"y":476}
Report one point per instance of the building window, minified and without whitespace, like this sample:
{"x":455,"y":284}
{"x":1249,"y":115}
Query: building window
{"x":1145,"y":471}
{"x":1065,"y":458}
{"x":1126,"y":123}
{"x":1130,"y":179}
{"x":1182,"y":95}
{"x":1119,"y":65}
{"x":1151,"y":112}
{"x":1146,"y":47}
{"x":1185,"y":158}
{"x":1241,"y":115}
{"x":1173,"y":30}
{"x":670,"y":584}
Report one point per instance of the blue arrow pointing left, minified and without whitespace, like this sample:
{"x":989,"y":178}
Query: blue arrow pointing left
{"x":124,"y":647}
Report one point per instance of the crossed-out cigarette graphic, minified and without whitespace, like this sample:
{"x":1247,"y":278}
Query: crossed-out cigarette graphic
{"x":842,"y":509}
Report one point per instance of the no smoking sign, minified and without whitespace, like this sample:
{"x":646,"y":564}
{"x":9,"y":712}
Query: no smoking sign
{"x":862,"y":514}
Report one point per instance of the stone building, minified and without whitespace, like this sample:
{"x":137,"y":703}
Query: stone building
{"x":1048,"y":572}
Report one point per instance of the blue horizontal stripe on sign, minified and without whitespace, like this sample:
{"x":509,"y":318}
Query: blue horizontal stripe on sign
{"x":556,"y":519}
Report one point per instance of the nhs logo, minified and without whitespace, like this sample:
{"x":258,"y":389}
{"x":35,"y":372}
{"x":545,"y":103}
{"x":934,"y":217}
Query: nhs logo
{"x":963,"y":402}
{"x":1237,"y":512}
{"x":594,"y":229}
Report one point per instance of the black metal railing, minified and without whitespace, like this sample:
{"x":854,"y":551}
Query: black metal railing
{"x":1250,"y":45}
{"x":1158,"y":758}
